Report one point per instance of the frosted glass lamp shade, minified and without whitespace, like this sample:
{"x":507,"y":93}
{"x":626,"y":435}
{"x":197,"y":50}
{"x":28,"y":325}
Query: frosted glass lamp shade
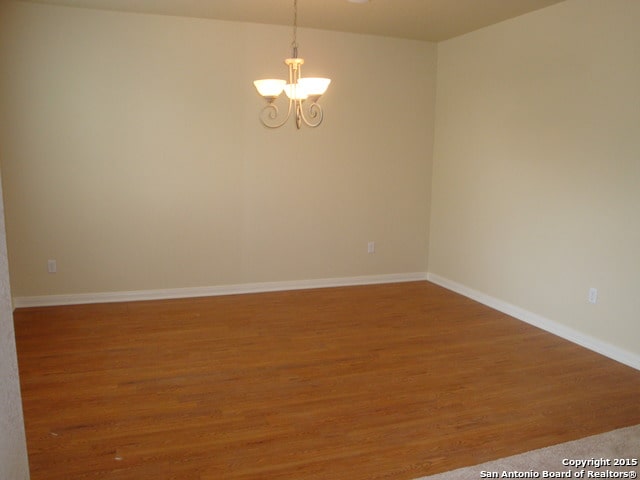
{"x":270,"y":87}
{"x":315,"y":86}
{"x":295,"y":91}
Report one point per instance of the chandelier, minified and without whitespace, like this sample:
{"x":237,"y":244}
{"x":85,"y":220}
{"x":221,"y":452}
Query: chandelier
{"x":303,"y":92}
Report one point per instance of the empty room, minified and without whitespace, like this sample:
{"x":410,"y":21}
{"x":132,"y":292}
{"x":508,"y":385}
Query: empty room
{"x":427,"y":266}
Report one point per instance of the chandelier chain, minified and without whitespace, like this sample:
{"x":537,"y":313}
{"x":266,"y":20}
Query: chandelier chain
{"x":294,"y":44}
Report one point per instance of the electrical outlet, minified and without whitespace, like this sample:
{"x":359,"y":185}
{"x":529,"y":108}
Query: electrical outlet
{"x":52,"y":266}
{"x":371,"y":247}
{"x":593,"y":295}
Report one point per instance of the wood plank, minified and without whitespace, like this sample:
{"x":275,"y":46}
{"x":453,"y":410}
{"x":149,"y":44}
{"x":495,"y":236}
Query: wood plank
{"x":372,"y":382}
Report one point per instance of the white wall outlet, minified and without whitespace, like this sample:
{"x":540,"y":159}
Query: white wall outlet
{"x":52,"y":266}
{"x":593,"y":295}
{"x":371,"y":247}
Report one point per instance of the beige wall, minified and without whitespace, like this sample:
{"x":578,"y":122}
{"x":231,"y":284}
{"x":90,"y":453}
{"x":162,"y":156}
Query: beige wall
{"x":133,"y":154}
{"x":536,"y":179}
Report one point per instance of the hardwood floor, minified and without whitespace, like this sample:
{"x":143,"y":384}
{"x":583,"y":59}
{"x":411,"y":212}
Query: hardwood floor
{"x":357,"y":383}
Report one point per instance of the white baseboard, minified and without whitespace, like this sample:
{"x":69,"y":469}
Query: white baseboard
{"x":130,"y":296}
{"x":620,"y":355}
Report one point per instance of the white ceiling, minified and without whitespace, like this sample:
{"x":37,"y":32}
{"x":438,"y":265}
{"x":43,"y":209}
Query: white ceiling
{"x":431,"y":20}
